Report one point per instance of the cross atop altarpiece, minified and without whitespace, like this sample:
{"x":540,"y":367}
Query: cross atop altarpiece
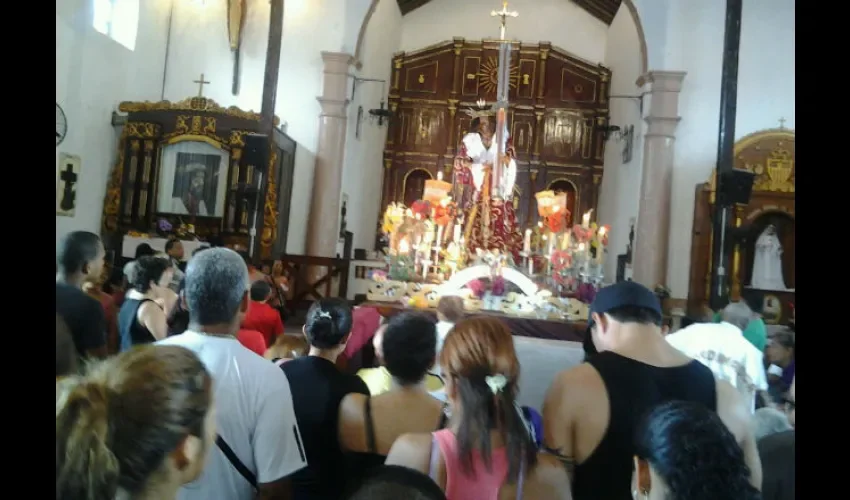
{"x":504,"y":15}
{"x":501,"y":106}
{"x":782,"y":123}
{"x":201,"y":82}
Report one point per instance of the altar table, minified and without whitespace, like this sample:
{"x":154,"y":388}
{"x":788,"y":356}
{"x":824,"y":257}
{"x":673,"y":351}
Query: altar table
{"x":553,"y":329}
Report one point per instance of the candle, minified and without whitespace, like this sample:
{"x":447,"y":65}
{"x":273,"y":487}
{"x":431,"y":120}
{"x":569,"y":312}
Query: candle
{"x":581,"y":249}
{"x":526,"y":244}
{"x":439,"y":237}
{"x":439,"y":175}
{"x":585,"y":219}
{"x":530,"y":261}
{"x":552,"y":239}
{"x":456,"y":235}
{"x":565,"y":243}
{"x":403,"y":247}
{"x":600,"y":248}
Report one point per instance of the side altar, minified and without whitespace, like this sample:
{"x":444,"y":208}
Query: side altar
{"x":199,"y":171}
{"x":763,"y":231}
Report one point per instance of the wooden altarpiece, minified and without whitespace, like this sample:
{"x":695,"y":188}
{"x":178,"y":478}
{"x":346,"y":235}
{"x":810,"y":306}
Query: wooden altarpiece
{"x":133,"y":206}
{"x":770,"y":154}
{"x":557,"y":116}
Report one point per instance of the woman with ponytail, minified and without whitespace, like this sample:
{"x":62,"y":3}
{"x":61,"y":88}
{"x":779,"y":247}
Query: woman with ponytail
{"x":138,"y":426}
{"x":487,"y":452}
{"x":317,"y":390}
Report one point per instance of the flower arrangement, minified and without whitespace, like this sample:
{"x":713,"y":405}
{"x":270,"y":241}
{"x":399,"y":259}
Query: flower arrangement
{"x":497,"y":286}
{"x":477,"y":288}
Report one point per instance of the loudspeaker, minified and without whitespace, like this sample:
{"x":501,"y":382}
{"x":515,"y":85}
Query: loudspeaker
{"x":736,"y":186}
{"x":256,"y":152}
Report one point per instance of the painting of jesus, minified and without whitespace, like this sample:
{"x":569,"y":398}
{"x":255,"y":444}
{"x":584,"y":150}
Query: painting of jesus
{"x":193,"y":180}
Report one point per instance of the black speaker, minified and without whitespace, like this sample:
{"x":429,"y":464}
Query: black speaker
{"x":736,"y":186}
{"x":256,"y":152}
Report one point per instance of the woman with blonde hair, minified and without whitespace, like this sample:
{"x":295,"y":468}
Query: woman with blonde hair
{"x":487,"y":452}
{"x":137,"y":426}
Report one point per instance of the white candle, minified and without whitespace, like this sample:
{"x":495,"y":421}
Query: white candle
{"x":530,"y":265}
{"x":585,"y":219}
{"x":565,"y":244}
{"x":526,"y":244}
{"x":403,"y":247}
{"x":552,"y":239}
{"x":439,"y":175}
{"x":439,"y":237}
{"x":600,"y":248}
{"x":456,"y":235}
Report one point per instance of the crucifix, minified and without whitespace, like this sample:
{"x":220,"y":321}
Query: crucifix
{"x":69,"y":177}
{"x":782,"y":123}
{"x":501,"y":106}
{"x":504,"y":15}
{"x":201,"y":82}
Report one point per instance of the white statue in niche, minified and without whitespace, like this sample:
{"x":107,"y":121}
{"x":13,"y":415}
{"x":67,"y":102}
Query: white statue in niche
{"x":767,"y":263}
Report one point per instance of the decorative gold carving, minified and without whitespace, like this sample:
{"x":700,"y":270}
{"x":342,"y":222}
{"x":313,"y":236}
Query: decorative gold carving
{"x":142,"y":130}
{"x":421,"y":78}
{"x":237,"y":139}
{"x":388,"y":164}
{"x":470,"y":76}
{"x":578,"y":88}
{"x":776,"y":172}
{"x":488,"y":75}
{"x":533,"y":174}
{"x":270,"y":213}
{"x":525,"y":79}
{"x":112,"y":200}
{"x":203,"y":104}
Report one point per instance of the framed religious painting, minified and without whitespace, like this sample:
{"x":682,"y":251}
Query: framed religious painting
{"x":192,"y":179}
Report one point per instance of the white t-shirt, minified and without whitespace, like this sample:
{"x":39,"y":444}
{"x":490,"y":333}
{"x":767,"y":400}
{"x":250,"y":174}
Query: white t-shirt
{"x":254,"y":415}
{"x":443,"y":328}
{"x":723,"y":348}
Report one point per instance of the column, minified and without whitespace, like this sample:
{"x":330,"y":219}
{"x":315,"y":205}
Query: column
{"x":649,"y":262}
{"x":322,"y":229}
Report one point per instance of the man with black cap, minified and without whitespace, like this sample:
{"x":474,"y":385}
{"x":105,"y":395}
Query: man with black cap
{"x":592,"y":410}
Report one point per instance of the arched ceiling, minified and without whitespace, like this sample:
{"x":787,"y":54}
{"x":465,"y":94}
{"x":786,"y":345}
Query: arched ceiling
{"x":604,"y":10}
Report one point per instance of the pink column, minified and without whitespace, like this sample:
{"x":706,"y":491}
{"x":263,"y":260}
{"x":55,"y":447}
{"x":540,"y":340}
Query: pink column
{"x":323,"y":225}
{"x":649,"y":264}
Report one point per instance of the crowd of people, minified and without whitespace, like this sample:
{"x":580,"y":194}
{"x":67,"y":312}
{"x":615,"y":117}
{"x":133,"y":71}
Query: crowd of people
{"x":196,"y":392}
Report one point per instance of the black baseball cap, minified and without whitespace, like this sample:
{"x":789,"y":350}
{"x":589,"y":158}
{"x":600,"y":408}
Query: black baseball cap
{"x":622,"y":294}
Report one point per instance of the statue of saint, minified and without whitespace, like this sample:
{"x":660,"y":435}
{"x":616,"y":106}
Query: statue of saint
{"x":491,"y":222}
{"x":767,"y":262}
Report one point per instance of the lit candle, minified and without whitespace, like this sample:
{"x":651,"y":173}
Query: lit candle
{"x":439,"y":237}
{"x":552,"y":239}
{"x":456,"y":235}
{"x":585,"y":219}
{"x":403,"y":247}
{"x":439,"y":175}
{"x":530,"y":265}
{"x":581,"y":249}
{"x":526,"y":244}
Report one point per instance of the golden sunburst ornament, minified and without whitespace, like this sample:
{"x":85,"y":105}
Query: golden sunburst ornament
{"x":488,"y":75}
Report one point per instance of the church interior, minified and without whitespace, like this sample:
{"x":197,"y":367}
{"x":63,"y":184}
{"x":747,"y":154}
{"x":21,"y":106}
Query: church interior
{"x":522,"y":156}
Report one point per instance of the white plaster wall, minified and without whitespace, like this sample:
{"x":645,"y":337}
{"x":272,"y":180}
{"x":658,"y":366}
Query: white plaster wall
{"x":93,"y":74}
{"x":362,"y":175}
{"x":766,"y":91}
{"x":558,"y":21}
{"x":620,"y":191}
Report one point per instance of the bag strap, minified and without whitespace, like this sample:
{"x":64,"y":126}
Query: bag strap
{"x":235,"y":462}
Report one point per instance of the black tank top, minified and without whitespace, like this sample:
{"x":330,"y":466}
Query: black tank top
{"x":129,"y":329}
{"x":633,"y":389}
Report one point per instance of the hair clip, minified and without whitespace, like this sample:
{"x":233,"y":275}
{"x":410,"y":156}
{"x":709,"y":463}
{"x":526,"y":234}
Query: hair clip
{"x":496,"y":382}
{"x":324,"y":314}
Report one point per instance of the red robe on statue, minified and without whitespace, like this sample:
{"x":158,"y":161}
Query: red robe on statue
{"x":489,"y":223}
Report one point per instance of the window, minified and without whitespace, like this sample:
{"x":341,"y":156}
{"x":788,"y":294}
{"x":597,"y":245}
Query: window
{"x":117,"y":19}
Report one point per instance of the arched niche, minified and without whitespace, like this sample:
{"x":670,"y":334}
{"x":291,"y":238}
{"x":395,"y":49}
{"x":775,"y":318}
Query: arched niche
{"x":413,"y":186}
{"x":564,"y":185}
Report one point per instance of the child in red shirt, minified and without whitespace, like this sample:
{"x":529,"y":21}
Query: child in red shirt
{"x":261,"y":316}
{"x":253,"y":340}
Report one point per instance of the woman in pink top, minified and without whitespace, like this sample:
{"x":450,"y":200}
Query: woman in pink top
{"x":487,"y":452}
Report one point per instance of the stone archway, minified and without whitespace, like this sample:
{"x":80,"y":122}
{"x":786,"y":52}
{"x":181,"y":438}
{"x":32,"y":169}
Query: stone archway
{"x":629,"y":4}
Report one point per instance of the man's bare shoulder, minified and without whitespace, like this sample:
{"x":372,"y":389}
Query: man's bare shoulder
{"x":581,"y":378}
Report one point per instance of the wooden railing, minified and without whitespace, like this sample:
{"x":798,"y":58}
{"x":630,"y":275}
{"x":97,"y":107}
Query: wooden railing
{"x":312,"y":278}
